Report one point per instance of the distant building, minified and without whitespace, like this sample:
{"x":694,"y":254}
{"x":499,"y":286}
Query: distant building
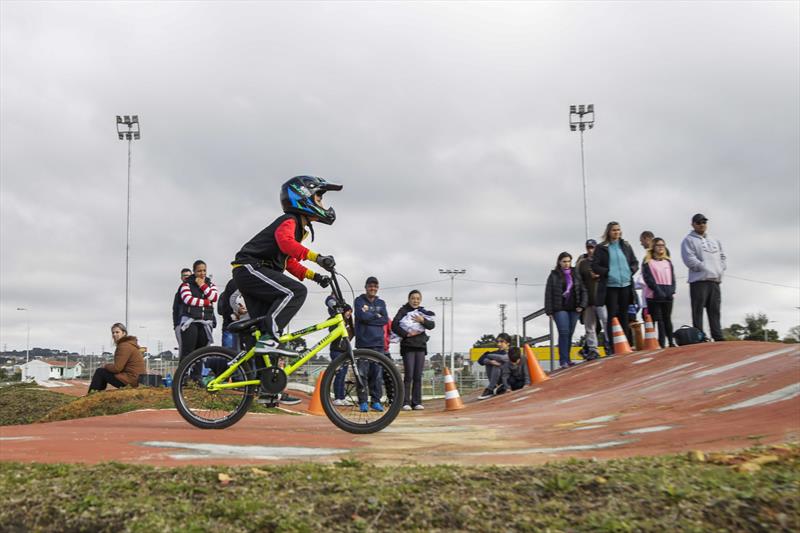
{"x":39,"y":370}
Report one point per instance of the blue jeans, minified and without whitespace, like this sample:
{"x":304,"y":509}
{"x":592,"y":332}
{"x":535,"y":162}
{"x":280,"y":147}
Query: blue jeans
{"x":565,"y":322}
{"x":229,"y":340}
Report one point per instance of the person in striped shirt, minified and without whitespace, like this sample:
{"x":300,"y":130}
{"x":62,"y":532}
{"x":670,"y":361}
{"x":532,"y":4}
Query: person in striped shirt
{"x":197,"y":294}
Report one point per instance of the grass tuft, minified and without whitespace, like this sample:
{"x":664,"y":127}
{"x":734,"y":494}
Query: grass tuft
{"x":667,"y":493}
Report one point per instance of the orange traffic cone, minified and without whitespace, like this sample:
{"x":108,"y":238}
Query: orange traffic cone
{"x":650,"y":335}
{"x":535,"y":371}
{"x":621,"y":346}
{"x":452,"y":399}
{"x":315,"y":406}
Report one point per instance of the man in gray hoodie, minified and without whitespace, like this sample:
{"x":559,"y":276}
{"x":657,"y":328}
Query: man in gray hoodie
{"x":706,"y":261}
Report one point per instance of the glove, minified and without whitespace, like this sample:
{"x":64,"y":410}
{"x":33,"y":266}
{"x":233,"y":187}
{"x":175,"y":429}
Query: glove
{"x":326,"y":261}
{"x":323,"y":281}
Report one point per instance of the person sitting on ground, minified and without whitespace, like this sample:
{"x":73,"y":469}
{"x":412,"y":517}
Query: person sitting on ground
{"x":128,"y":363}
{"x":494,"y":361}
{"x":515,"y":373}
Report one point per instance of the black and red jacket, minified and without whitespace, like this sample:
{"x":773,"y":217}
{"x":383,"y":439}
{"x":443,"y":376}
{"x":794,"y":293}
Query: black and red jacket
{"x":278,"y":248}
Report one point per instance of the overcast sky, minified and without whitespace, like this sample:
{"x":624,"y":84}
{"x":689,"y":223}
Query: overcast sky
{"x":447,"y":124}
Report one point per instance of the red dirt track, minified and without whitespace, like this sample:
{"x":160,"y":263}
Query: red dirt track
{"x":673,"y":400}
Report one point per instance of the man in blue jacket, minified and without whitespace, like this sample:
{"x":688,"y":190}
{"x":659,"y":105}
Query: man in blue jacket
{"x":370,"y":318}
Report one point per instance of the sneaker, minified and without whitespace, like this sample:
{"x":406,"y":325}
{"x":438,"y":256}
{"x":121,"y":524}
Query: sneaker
{"x":271,"y":346}
{"x":363,"y":407}
{"x":289,"y":400}
{"x":376,"y":406}
{"x":406,"y":407}
{"x":419,"y":407}
{"x":487,"y":393}
{"x":340,"y":402}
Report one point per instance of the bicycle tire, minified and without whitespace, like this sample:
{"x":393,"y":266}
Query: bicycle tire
{"x":371,"y":422}
{"x":182,"y":376}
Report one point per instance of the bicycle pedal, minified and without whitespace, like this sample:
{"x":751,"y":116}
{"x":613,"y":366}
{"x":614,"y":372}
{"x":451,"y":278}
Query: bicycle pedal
{"x":268,"y":400}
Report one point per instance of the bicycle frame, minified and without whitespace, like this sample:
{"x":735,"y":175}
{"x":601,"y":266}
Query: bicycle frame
{"x":337,"y":322}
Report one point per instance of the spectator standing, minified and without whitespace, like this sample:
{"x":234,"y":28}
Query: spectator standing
{"x":371,"y":316}
{"x":659,"y":275}
{"x":616,"y":264}
{"x":338,"y":348}
{"x":231,"y":308}
{"x":413,"y":346}
{"x":198,"y":295}
{"x":494,"y":361}
{"x":564,"y":300}
{"x":703,"y":256}
{"x":128,"y":363}
{"x":176,"y":305}
{"x":594,"y":315}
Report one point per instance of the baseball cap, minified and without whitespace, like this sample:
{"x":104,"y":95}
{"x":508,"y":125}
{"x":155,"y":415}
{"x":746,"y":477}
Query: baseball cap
{"x":699,"y":217}
{"x":591,"y":242}
{"x":371,"y":280}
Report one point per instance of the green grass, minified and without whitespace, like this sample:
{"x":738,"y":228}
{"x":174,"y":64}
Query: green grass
{"x":25,"y":403}
{"x":28,"y":403}
{"x":669,"y":493}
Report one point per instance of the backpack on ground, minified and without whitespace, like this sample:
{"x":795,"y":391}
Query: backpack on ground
{"x":688,"y":335}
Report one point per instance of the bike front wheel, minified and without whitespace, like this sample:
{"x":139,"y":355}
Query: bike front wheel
{"x":364,"y":409}
{"x":204,"y":408}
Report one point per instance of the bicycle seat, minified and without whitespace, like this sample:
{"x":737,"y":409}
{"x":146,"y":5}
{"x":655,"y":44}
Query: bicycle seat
{"x":245,"y":324}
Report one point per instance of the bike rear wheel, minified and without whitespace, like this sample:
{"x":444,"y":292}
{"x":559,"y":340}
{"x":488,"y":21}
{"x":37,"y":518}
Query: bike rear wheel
{"x":210,"y":409}
{"x":373,"y":367}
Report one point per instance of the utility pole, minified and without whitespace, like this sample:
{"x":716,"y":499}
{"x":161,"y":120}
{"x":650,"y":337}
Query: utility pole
{"x":132,"y":122}
{"x":28,"y":338}
{"x":452,"y":273}
{"x":502,"y":318}
{"x":516,"y":310}
{"x":444,"y":300}
{"x":577,"y":122}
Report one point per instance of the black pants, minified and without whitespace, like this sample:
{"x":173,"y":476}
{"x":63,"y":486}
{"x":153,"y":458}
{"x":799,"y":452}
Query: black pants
{"x":617,"y":301}
{"x":192,"y":338}
{"x":270,"y":293}
{"x":413,"y":363}
{"x":662,"y":315}
{"x":103,"y":378}
{"x":706,"y":295}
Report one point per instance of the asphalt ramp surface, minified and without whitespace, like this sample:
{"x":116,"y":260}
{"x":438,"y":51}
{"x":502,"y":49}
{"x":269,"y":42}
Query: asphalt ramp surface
{"x":711,"y":397}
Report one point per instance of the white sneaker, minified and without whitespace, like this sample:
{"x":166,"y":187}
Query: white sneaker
{"x":406,"y":408}
{"x":419,"y":407}
{"x":340,"y":403}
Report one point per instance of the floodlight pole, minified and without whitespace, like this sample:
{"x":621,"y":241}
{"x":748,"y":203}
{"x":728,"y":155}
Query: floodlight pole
{"x":28,"y":337}
{"x":444,"y":300}
{"x":577,"y":122}
{"x":132,"y":133}
{"x":452,"y":273}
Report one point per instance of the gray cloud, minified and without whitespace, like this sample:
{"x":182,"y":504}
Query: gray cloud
{"x":445,"y":122}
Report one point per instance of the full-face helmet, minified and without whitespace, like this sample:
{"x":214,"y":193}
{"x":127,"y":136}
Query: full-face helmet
{"x":298,"y":196}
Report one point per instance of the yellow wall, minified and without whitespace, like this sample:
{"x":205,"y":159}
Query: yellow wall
{"x":542,"y":353}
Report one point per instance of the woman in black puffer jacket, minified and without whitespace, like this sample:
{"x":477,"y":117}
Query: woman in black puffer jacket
{"x":413,"y":346}
{"x":564,"y":300}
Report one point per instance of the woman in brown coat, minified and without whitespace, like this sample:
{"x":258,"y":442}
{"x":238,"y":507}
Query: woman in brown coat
{"x":128,"y":363}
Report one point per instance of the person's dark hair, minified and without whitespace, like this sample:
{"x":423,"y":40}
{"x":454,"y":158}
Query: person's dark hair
{"x":561,"y":256}
{"x":197,"y":264}
{"x":513,"y":354}
{"x":605,"y":239}
{"x":504,"y":337}
{"x":121,"y":326}
{"x":415,"y":291}
{"x":185,"y":270}
{"x":647,"y":234}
